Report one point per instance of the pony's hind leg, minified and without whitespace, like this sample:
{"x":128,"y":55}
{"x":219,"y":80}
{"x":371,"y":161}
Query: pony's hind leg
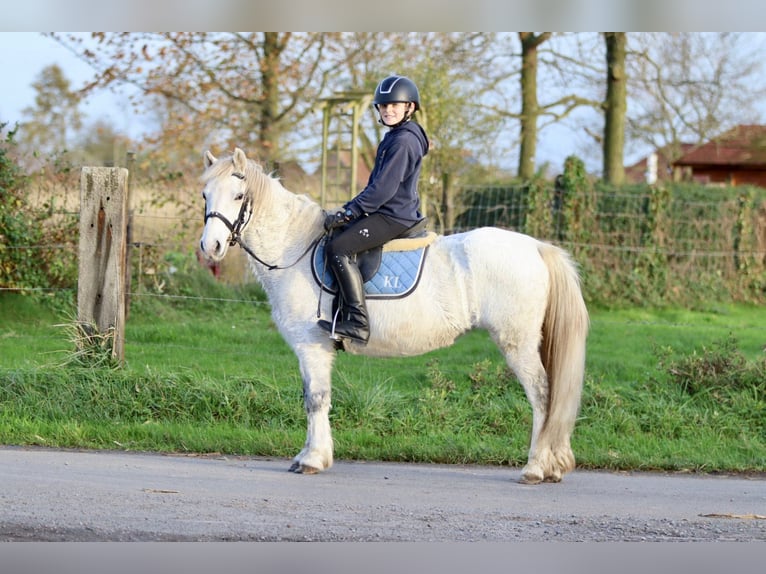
{"x":317,"y":452}
{"x":533,"y":379}
{"x":549,"y":457}
{"x":542,"y":464}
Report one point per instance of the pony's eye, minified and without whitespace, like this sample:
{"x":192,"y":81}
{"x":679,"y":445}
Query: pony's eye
{"x":239,"y":197}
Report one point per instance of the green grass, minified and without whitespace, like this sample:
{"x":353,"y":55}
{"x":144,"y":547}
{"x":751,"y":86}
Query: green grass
{"x":215,"y":376}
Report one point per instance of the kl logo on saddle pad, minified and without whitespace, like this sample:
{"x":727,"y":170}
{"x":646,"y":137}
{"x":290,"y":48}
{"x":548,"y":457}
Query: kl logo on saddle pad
{"x":387,"y":273}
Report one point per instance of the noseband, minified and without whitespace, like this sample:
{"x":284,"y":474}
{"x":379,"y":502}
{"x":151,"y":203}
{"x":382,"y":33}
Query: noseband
{"x":235,"y":229}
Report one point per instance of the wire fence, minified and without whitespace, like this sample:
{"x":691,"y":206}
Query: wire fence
{"x":644,"y":245}
{"x":627,"y":244}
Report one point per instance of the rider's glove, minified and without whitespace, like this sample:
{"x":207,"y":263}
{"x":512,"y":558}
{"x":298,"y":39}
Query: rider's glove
{"x":338,"y":219}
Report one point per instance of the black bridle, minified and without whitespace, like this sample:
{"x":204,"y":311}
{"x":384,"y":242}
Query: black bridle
{"x":243,"y":218}
{"x":235,"y":229}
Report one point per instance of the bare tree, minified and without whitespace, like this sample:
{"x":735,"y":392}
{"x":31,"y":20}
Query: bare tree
{"x":690,"y":87}
{"x":615,"y":106}
{"x":552,"y":64}
{"x":215,"y":88}
{"x":529,"y":105}
{"x":486,"y":97}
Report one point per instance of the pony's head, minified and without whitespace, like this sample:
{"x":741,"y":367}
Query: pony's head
{"x":228,"y":204}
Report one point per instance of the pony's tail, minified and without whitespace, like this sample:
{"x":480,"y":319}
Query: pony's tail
{"x":565,"y":329}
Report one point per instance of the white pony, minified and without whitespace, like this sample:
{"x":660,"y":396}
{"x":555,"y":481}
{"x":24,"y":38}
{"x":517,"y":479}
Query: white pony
{"x":524,"y":292}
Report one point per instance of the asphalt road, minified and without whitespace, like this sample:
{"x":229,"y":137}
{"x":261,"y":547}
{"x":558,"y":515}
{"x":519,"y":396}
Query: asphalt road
{"x":55,"y":495}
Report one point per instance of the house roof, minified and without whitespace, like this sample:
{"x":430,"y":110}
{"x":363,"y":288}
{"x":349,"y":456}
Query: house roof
{"x":743,"y":145}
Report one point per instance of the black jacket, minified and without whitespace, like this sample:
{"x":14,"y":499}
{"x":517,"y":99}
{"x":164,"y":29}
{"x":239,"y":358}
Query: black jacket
{"x":393,"y":185}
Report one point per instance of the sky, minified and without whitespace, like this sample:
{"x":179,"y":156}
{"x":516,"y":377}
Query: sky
{"x":23,"y":55}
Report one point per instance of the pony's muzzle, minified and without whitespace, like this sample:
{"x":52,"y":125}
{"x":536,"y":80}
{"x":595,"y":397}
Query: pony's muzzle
{"x":213,"y":250}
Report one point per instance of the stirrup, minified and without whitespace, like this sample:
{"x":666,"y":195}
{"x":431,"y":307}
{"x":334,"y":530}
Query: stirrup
{"x":339,"y":336}
{"x":333,"y":335}
{"x":330,"y":326}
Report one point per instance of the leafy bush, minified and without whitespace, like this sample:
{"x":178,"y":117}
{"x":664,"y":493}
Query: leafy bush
{"x":721,"y":367}
{"x":15,"y":230}
{"x":31,"y":239}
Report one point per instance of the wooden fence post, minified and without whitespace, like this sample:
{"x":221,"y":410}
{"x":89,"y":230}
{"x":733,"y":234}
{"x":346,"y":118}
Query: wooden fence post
{"x":448,"y":204}
{"x":131,"y":161}
{"x":102,"y":250}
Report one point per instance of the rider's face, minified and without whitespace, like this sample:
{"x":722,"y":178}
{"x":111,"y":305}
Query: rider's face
{"x":393,"y":113}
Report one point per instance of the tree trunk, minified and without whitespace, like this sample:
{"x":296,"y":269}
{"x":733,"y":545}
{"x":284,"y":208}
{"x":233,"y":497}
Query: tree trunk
{"x":270,"y":87}
{"x":529,"y":105}
{"x":615,"y":107}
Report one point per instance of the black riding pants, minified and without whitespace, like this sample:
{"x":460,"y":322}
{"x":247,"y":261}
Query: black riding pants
{"x":363,"y":234}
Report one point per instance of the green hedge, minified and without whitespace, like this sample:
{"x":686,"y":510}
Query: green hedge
{"x":664,"y":244}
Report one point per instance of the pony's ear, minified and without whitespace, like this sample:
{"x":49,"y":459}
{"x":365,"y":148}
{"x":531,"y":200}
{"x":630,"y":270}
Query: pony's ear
{"x":240,"y":160}
{"x":209,"y":159}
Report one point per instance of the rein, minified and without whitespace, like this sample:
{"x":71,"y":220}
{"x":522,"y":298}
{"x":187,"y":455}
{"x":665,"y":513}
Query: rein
{"x":236,"y":228}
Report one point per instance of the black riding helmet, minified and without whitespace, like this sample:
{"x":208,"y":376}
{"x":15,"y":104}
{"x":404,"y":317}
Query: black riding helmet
{"x":397,"y":89}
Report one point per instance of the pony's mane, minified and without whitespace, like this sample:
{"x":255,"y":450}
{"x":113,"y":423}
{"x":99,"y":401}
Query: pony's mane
{"x":254,"y":172}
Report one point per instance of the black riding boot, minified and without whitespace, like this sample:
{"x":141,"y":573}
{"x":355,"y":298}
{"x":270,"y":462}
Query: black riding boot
{"x":351,"y":320}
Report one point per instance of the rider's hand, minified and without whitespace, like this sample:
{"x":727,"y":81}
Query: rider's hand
{"x":337,"y":219}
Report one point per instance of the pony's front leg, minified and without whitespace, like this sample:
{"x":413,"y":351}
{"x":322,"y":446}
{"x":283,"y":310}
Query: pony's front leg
{"x":317,"y":452}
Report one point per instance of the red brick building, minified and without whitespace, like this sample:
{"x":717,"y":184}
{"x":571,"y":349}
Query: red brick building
{"x":736,"y":157}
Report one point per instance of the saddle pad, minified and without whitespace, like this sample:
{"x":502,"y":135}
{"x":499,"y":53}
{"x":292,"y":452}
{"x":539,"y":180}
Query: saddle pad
{"x":397,"y":276}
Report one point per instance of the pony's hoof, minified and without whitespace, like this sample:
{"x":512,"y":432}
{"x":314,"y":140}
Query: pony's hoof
{"x":555,"y":477}
{"x":531,"y":475}
{"x":299,"y":468}
{"x":530,"y":479}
